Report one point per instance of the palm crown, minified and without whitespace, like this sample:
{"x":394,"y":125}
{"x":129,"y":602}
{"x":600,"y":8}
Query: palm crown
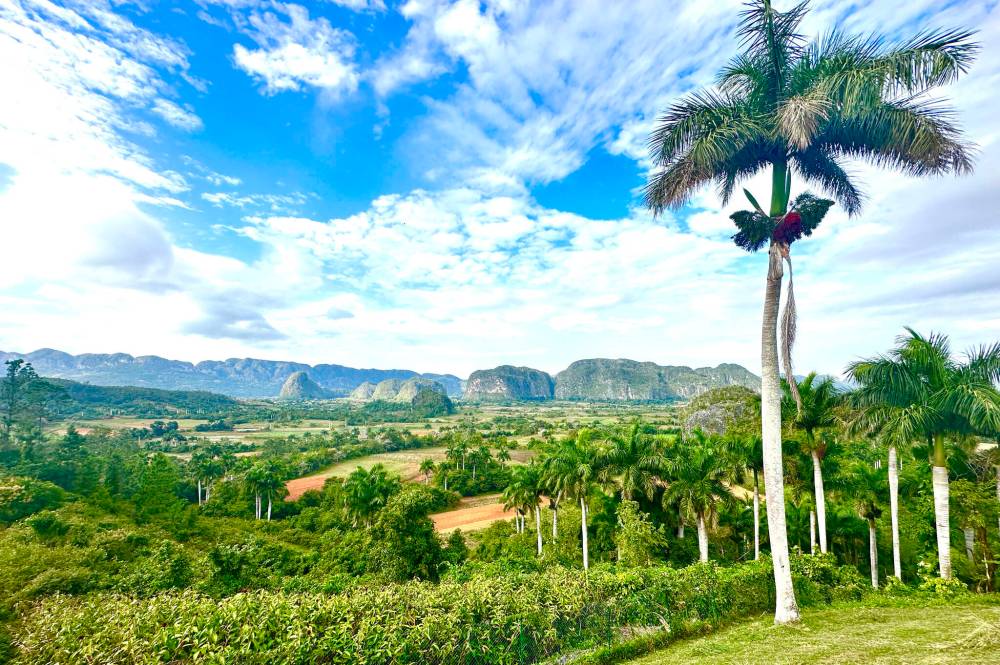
{"x":806,"y":107}
{"x":919,"y":391}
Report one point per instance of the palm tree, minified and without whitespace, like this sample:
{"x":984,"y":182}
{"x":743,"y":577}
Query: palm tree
{"x":503,"y":448}
{"x":524,"y":493}
{"x":427,"y":468}
{"x":630,"y":460}
{"x":746,"y":451}
{"x":367,"y":492}
{"x":866,"y":483}
{"x":920,"y":393}
{"x":819,"y":402}
{"x":695,"y":481}
{"x":789,"y":106}
{"x":264,"y":479}
{"x":572,"y":471}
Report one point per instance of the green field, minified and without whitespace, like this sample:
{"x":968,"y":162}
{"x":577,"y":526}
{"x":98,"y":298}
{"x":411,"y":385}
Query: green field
{"x":966,"y":632}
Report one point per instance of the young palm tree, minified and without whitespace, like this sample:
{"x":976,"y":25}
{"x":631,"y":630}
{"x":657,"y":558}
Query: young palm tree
{"x":819,"y":402}
{"x":695,"y":481}
{"x":920,"y":393}
{"x":798,"y":108}
{"x":427,"y":467}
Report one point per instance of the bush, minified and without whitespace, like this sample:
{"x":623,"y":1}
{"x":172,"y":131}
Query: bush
{"x":942,"y":587}
{"x":511,"y":618}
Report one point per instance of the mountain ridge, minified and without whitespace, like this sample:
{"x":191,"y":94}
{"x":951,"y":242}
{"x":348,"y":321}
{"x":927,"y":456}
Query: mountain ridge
{"x":235,"y":377}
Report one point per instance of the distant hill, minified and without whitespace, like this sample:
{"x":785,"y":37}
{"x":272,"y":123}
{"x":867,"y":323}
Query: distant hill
{"x":394,"y":390}
{"x":300,"y":386}
{"x":236,"y":377}
{"x":627,"y":380}
{"x":508,"y":383}
{"x":80,"y":399}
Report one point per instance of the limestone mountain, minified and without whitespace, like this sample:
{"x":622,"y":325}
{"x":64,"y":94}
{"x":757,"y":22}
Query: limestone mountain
{"x":236,"y":377}
{"x":628,"y":380}
{"x":412,"y":387}
{"x":387,"y":390}
{"x":363,"y":392}
{"x":718,"y":410}
{"x":299,"y":386}
{"x":507,"y":382}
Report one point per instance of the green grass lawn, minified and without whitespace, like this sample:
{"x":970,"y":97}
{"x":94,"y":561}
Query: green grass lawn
{"x":965,"y":632}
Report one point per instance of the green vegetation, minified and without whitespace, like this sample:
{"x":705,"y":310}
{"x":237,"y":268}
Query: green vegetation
{"x":215,"y":530}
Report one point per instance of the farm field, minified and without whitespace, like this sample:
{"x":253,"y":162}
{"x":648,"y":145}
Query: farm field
{"x":472,"y":513}
{"x":404,"y":463}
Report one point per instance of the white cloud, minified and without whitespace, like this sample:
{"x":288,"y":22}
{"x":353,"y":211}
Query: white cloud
{"x":177,"y":115}
{"x":298,"y":52}
{"x":79,"y":74}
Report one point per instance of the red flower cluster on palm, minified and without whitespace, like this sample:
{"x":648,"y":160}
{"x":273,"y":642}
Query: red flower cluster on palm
{"x":788,"y":230}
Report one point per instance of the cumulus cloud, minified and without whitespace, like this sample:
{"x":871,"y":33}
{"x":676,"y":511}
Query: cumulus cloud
{"x":298,"y":52}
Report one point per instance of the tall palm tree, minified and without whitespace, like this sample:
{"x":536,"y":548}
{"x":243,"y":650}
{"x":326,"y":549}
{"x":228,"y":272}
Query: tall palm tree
{"x":696,"y":482}
{"x":629,"y":460}
{"x":572,"y":471}
{"x":746,"y":452}
{"x":264,"y":479}
{"x":793,"y":107}
{"x":524,"y":494}
{"x":819,"y":403}
{"x":866,"y":484}
{"x":920,"y":393}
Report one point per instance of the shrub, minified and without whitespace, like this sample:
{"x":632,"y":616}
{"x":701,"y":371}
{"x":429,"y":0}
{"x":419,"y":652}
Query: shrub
{"x":942,"y":587}
{"x":483,"y":618}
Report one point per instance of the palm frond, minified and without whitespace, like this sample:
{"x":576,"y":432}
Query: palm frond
{"x":772,"y":37}
{"x":812,"y":209}
{"x":818,"y":167}
{"x":917,"y":137}
{"x":754,"y":229}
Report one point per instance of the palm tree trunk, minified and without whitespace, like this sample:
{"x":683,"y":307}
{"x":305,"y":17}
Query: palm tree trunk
{"x":894,"y":510}
{"x":873,"y":553}
{"x":812,"y":532}
{"x":257,"y":498}
{"x":756,"y":517}
{"x":786,"y":609}
{"x":538,"y":528}
{"x":820,"y":501}
{"x":702,"y":539}
{"x":680,"y":523}
{"x":269,"y":508}
{"x":199,"y":491}
{"x":941,"y":516}
{"x":970,"y":544}
{"x":998,"y":495}
{"x":555,"y":521}
{"x":583,"y":533}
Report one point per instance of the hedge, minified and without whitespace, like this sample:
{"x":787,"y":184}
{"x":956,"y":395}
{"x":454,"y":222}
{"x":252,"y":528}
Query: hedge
{"x":513,"y":618}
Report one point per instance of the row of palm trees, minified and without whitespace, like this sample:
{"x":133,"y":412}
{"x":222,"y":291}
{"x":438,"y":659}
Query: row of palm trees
{"x":917,"y":393}
{"x":692,"y":475}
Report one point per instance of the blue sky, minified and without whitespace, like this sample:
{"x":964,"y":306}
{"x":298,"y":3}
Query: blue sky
{"x":434,"y":184}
